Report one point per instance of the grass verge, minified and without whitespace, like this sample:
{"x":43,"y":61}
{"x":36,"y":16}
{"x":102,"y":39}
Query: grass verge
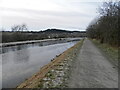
{"x":109,"y":51}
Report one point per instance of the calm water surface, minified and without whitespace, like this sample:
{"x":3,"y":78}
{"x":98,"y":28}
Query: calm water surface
{"x":21,"y":62}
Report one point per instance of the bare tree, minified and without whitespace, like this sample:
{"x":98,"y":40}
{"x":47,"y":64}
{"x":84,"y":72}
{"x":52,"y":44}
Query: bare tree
{"x":19,"y":27}
{"x":106,"y":27}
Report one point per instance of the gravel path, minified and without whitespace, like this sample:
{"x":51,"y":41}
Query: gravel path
{"x":92,"y":69}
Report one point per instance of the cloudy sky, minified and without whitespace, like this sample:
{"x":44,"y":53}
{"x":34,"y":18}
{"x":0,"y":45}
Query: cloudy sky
{"x":44,"y":14}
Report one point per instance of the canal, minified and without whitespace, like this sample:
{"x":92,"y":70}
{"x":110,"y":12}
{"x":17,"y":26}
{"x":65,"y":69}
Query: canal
{"x":22,"y":61}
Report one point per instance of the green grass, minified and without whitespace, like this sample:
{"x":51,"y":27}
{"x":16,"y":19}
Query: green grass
{"x":111,"y":52}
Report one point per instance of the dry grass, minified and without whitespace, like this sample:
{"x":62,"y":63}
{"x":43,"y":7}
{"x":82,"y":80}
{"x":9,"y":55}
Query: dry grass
{"x":111,"y":52}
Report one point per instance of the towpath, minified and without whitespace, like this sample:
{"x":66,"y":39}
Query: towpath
{"x":92,"y":69}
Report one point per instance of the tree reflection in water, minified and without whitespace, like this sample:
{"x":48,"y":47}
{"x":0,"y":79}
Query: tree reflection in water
{"x":22,"y":55}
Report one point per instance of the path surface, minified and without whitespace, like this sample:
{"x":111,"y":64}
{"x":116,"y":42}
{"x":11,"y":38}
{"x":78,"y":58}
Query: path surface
{"x":92,"y":69}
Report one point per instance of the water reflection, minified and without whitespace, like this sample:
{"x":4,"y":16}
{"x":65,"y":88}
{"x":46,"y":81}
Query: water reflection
{"x":13,"y":48}
{"x":21,"y":56}
{"x":5,"y":58}
{"x":20,"y":47}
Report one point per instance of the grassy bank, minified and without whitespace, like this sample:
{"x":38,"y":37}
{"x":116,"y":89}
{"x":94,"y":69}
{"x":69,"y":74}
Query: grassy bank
{"x":56,"y":73}
{"x":109,"y":51}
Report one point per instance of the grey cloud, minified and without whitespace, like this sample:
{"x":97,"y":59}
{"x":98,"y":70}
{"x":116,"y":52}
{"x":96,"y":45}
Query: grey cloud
{"x":50,"y":13}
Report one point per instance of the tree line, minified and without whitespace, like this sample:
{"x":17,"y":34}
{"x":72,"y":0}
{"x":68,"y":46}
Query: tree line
{"x":106,"y":27}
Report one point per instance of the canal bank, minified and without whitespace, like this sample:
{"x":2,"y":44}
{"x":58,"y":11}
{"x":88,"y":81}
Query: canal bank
{"x":63,"y":40}
{"x":56,"y":73}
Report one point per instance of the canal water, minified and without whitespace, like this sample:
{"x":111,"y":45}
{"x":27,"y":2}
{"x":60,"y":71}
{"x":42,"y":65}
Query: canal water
{"x":21,"y":62}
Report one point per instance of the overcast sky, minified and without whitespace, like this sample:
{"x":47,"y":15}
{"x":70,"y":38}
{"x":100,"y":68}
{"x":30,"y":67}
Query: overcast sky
{"x":44,"y":14}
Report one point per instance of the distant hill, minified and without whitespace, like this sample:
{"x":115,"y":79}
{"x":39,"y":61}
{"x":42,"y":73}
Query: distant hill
{"x":58,"y":33}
